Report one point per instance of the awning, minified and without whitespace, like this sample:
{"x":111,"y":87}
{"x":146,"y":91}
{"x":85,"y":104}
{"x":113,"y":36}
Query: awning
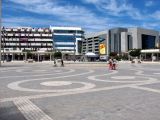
{"x":151,"y":51}
{"x":91,"y":54}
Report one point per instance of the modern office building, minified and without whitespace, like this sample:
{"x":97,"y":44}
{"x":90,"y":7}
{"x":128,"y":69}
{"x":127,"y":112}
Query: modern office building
{"x":21,"y":39}
{"x":114,"y":39}
{"x":92,"y":43}
{"x":139,"y":38}
{"x":121,"y":40}
{"x":68,"y":40}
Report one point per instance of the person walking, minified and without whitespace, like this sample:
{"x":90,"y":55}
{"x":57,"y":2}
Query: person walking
{"x":114,"y":64}
{"x":62,"y":63}
{"x":110,"y":64}
{"x":55,"y":64}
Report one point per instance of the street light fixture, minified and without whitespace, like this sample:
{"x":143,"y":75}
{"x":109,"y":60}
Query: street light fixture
{"x":0,"y":29}
{"x":74,"y":46}
{"x":3,"y":35}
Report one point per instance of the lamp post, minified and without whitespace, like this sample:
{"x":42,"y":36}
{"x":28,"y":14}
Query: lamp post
{"x":74,"y":47}
{"x":3,"y":33}
{"x":0,"y":30}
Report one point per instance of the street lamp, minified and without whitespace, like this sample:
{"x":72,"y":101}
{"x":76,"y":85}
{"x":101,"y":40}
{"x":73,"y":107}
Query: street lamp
{"x":74,"y":46}
{"x":0,"y":29}
{"x":3,"y":35}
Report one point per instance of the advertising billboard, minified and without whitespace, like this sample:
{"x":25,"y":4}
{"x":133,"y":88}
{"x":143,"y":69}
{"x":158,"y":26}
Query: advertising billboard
{"x":102,"y":49}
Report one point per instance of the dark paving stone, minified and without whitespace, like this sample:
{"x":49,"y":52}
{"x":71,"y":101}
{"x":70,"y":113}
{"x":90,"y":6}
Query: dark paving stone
{"x":8,"y":111}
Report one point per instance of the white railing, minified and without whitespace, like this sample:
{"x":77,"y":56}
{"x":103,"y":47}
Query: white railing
{"x":37,"y":35}
{"x":45,"y":35}
{"x":10,"y":34}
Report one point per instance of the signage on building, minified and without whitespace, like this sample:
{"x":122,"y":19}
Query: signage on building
{"x":102,"y":49}
{"x":103,"y":57}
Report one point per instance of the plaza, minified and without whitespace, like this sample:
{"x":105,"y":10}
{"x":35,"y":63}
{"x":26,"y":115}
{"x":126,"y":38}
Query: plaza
{"x":39,"y":91}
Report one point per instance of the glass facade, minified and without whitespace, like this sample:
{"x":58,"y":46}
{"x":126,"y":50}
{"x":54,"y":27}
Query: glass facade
{"x":69,"y":31}
{"x":64,"y":45}
{"x":63,"y":38}
{"x":68,"y":39}
{"x":148,"y":41}
{"x":129,"y":42}
{"x":79,"y":46}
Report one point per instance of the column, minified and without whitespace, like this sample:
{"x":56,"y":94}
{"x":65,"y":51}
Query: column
{"x":25,"y":56}
{"x":12,"y":56}
{"x":50,"y":56}
{"x":38,"y":57}
{"x":152,"y":56}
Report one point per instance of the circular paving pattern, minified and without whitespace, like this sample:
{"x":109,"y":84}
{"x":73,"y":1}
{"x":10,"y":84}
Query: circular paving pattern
{"x":123,"y":77}
{"x":86,"y":86}
{"x":56,"y":83}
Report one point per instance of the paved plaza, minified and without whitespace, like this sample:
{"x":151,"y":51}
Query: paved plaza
{"x":34,"y":91}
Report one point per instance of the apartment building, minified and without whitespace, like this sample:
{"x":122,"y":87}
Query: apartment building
{"x":22,"y":39}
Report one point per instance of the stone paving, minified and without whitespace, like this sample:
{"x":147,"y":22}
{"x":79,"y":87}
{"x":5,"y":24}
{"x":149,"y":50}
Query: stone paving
{"x":43,"y":92}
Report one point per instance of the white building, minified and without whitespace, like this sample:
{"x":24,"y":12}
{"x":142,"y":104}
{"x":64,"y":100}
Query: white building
{"x":68,"y":40}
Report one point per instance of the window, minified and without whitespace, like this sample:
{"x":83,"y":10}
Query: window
{"x":63,"y":38}
{"x":64,"y":45}
{"x":79,"y":46}
{"x":148,"y":41}
{"x":129,"y":41}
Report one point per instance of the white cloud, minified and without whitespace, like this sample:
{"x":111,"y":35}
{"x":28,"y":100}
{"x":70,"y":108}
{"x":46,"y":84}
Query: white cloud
{"x":19,"y":21}
{"x":117,"y":8}
{"x":156,"y":15}
{"x":29,"y":2}
{"x":149,"y":3}
{"x":76,"y":15}
{"x":71,"y":14}
{"x":151,"y":25}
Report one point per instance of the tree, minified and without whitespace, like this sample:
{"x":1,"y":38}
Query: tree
{"x":135,"y":52}
{"x":113,"y":54}
{"x":58,"y":55}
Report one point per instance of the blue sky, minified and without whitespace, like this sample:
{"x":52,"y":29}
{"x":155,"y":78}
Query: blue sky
{"x":92,"y":15}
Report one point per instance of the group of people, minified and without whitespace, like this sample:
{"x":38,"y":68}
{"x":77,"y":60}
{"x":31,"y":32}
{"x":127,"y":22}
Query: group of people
{"x":112,"y":64}
{"x":55,"y":63}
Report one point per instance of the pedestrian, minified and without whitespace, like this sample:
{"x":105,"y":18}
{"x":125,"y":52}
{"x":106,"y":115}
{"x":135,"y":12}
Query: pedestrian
{"x":55,"y":64}
{"x":110,"y":64}
{"x":62,"y":63}
{"x":114,"y":64}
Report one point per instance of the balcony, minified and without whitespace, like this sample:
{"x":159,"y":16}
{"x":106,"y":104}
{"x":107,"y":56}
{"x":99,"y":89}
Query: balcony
{"x":16,"y":34}
{"x":37,"y":35}
{"x":22,"y":34}
{"x":45,"y":35}
{"x":8,"y":29}
{"x":15,"y":29}
{"x":22,"y":30}
{"x":10,"y":34}
{"x":33,"y":30}
{"x":24,"y":44}
{"x":50,"y":35}
{"x":46,"y":30}
{"x":40,"y":30}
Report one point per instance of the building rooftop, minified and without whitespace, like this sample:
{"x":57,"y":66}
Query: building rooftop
{"x":89,"y":35}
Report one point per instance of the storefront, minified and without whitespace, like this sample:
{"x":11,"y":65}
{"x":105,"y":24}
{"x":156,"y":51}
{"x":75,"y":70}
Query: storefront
{"x":150,"y":55}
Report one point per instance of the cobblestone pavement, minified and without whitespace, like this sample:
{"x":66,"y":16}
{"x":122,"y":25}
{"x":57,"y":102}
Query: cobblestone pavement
{"x":43,"y":92}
